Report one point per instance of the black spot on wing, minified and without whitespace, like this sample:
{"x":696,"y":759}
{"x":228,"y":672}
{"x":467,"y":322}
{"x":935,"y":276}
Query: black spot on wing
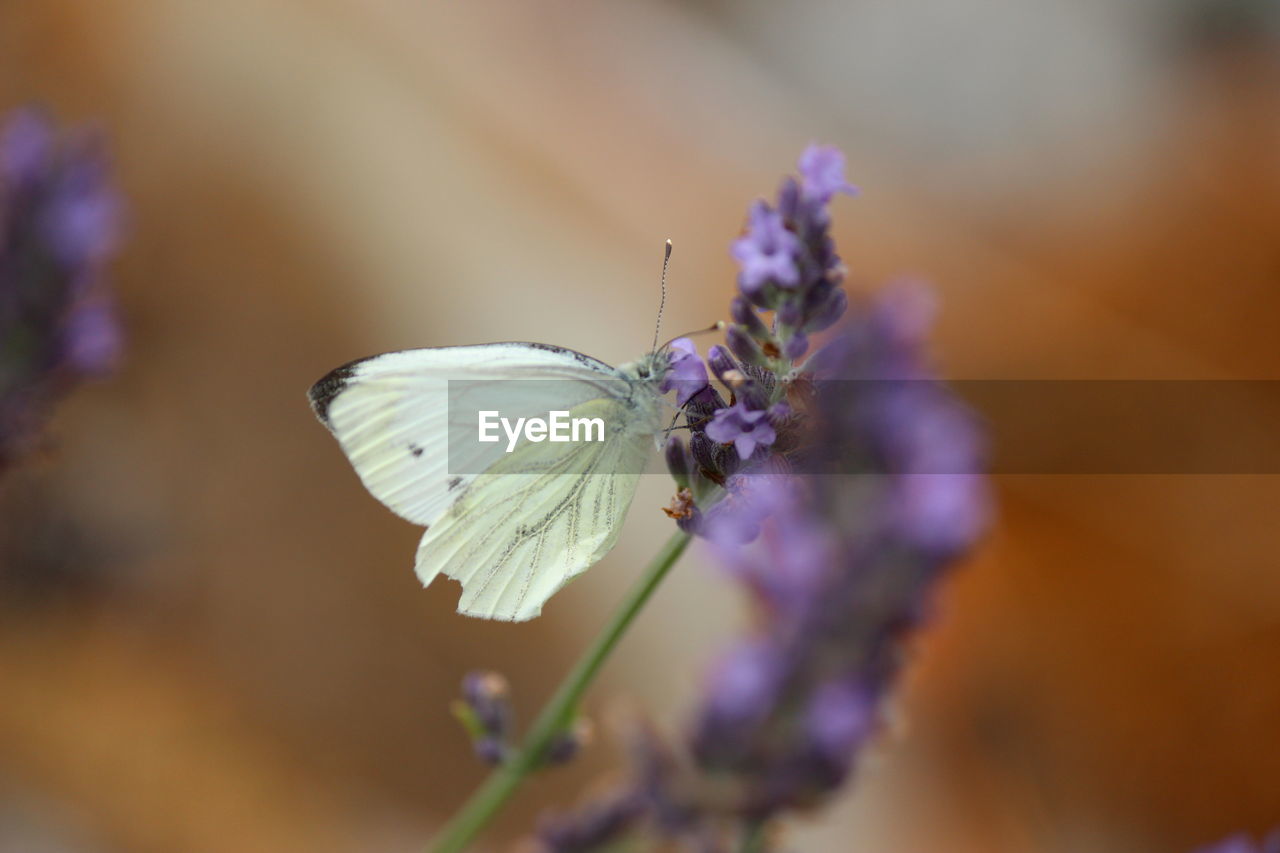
{"x":415,"y":450}
{"x":454,"y":482}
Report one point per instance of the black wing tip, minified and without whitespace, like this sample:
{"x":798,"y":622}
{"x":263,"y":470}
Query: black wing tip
{"x":323,"y":393}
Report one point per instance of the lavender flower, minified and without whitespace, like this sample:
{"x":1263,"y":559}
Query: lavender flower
{"x":59,"y":222}
{"x":838,"y":563}
{"x":485,"y":712}
{"x":788,"y":266}
{"x":841,"y":566}
{"x":767,"y":252}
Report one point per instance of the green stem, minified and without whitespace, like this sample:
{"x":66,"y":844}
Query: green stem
{"x":558,"y":713}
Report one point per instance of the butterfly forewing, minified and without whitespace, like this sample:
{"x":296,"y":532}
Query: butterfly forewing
{"x":390,"y":414}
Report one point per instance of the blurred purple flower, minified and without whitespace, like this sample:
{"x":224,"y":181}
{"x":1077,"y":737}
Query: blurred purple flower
{"x":767,"y":252}
{"x":59,"y":223}
{"x":854,"y":480}
{"x":593,"y":827}
{"x":839,"y":717}
{"x":744,"y":682}
{"x":26,"y":147}
{"x":822,"y":173}
{"x":840,"y":564}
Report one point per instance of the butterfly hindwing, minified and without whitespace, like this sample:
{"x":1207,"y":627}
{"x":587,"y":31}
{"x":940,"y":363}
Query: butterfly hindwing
{"x":538,"y":518}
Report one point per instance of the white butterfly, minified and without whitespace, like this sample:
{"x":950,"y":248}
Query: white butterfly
{"x":513,"y":528}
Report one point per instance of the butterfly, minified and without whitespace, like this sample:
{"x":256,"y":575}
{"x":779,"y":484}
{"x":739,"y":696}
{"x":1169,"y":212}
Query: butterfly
{"x":513,"y":527}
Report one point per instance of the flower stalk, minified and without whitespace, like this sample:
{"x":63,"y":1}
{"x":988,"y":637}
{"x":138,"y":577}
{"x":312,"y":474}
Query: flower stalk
{"x":559,"y":712}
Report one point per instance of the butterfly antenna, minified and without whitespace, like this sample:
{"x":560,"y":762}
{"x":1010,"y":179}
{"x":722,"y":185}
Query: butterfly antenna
{"x":666,"y":260}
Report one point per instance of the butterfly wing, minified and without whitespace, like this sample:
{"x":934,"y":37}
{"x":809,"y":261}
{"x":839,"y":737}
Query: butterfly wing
{"x":540,"y":516}
{"x":513,"y":528}
{"x":391,"y":414}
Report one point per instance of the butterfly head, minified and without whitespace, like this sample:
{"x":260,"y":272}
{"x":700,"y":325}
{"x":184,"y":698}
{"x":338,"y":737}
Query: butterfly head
{"x":650,"y":367}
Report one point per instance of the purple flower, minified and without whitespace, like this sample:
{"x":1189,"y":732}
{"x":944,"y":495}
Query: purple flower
{"x":941,"y":514}
{"x":838,"y":565}
{"x":92,"y":337}
{"x":853,"y":481}
{"x":688,"y":375}
{"x":822,"y":172}
{"x":744,"y":428}
{"x":26,"y":148}
{"x":839,"y":717}
{"x":84,"y":214}
{"x":744,"y":684}
{"x":596,"y":825}
{"x":791,"y":565}
{"x":767,"y":252}
{"x":59,"y":222}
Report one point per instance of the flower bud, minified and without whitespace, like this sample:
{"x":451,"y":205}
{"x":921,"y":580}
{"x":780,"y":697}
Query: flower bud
{"x":743,"y":314}
{"x":677,"y":458}
{"x":566,"y":745}
{"x":490,"y":750}
{"x":825,"y":315}
{"x":488,"y":696}
{"x":790,"y":314}
{"x":692,"y":522}
{"x":743,"y":346}
{"x":485,"y":712}
{"x":796,"y":346}
{"x":789,"y":198}
{"x":721,"y":362}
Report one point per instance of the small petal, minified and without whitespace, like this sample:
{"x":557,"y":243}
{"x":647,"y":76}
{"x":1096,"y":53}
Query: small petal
{"x":822,"y":172}
{"x":745,"y":428}
{"x":687,"y":375}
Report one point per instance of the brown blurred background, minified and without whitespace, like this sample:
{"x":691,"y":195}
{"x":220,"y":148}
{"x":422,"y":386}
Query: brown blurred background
{"x":211,"y":638}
